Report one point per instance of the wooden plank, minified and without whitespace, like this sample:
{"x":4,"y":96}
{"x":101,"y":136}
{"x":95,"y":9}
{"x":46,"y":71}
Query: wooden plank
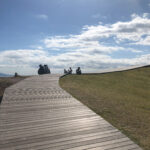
{"x":37,"y":114}
{"x":96,"y":145}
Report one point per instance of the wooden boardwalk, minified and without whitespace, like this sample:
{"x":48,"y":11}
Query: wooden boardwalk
{"x":37,"y":114}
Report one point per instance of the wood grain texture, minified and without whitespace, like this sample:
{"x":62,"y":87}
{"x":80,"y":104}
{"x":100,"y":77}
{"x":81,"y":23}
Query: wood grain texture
{"x":37,"y":114}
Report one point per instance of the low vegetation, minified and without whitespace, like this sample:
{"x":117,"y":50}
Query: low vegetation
{"x":122,"y":98}
{"x":6,"y":82}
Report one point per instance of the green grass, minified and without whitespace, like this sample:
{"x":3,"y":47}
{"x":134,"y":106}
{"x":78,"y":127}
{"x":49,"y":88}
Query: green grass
{"x":8,"y":81}
{"x":122,"y":98}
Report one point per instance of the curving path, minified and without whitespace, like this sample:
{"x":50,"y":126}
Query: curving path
{"x":37,"y":114}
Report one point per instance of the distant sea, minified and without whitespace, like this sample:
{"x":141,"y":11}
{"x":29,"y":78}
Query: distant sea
{"x":5,"y":75}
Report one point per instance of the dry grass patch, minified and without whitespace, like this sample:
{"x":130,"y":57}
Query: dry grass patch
{"x":122,"y":98}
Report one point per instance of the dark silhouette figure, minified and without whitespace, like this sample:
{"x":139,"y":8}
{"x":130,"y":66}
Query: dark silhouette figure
{"x":70,"y":70}
{"x":41,"y":70}
{"x":78,"y":71}
{"x":16,"y":74}
{"x":46,"y":69}
{"x":65,"y":71}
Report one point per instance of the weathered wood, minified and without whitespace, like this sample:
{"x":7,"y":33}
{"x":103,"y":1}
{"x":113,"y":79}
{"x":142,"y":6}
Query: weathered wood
{"x":37,"y":114}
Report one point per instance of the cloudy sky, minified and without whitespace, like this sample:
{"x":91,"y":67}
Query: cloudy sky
{"x":92,"y":34}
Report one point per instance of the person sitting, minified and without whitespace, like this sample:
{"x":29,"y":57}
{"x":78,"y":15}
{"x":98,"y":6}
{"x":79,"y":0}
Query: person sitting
{"x":41,"y":70}
{"x":78,"y":71}
{"x":46,"y":69}
{"x":65,"y":71}
{"x":70,"y":70}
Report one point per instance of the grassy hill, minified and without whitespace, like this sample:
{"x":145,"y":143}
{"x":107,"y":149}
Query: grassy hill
{"x":6,"y":82}
{"x":122,"y":98}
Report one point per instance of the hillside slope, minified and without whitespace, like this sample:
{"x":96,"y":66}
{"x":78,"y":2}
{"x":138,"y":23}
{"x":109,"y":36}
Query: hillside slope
{"x":122,"y":98}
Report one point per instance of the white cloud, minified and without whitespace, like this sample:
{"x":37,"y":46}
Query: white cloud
{"x":134,"y":16}
{"x":89,"y":50}
{"x":143,"y":41}
{"x":131,"y":30}
{"x":92,"y":36}
{"x":27,"y":61}
{"x":76,"y":43}
{"x":42,"y":16}
{"x":146,"y":15}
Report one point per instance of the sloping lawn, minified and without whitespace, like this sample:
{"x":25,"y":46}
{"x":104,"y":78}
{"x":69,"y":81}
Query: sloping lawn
{"x":122,"y":98}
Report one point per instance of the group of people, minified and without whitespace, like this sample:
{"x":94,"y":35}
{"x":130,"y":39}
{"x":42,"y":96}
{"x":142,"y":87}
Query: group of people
{"x":43,"y":70}
{"x":69,"y":71}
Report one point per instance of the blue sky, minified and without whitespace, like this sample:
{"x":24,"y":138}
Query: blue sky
{"x":93,"y":34}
